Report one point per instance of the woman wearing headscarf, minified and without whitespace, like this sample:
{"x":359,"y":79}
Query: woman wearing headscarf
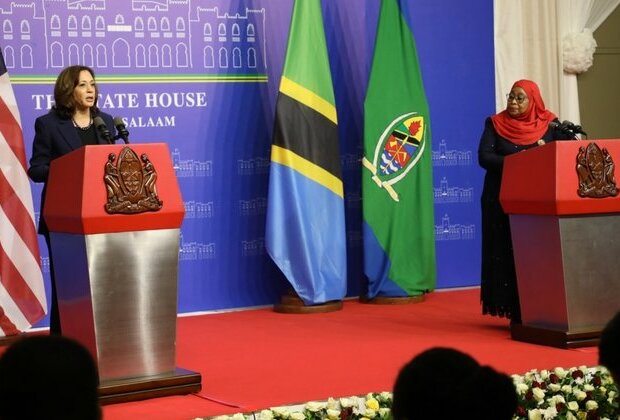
{"x":525,"y":123}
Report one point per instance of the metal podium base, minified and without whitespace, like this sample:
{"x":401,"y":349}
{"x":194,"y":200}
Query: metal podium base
{"x":555,"y":338}
{"x":179,"y":382}
{"x":567,"y":275}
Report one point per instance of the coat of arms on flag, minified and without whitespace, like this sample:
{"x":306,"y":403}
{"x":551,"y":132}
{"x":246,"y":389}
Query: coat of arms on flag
{"x":397,"y":151}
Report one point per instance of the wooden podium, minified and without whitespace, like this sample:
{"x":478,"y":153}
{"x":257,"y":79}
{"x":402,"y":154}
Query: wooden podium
{"x":566,"y":247}
{"x":116,"y":273}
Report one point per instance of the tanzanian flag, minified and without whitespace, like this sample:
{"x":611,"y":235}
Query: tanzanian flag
{"x":398,"y":228}
{"x":305,"y":232}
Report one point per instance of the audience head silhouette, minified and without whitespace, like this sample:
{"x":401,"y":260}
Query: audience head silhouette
{"x":609,"y":347}
{"x":443,"y":383}
{"x":48,"y":377}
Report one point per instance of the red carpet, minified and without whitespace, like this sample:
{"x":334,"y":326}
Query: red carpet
{"x":258,"y":358}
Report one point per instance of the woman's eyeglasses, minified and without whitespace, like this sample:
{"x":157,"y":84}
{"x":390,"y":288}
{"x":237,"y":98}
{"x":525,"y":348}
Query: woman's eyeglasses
{"x":518,"y":98}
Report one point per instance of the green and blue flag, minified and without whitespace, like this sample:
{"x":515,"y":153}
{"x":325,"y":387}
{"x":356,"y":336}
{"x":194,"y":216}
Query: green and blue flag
{"x":305,"y":231}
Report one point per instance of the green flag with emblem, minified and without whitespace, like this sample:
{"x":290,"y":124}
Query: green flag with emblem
{"x":397,"y":189}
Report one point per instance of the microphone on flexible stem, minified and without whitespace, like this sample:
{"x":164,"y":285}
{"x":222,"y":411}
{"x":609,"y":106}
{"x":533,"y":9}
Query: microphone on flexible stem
{"x":123,"y":133}
{"x":103,"y":129}
{"x":567,"y":127}
{"x":577,"y":129}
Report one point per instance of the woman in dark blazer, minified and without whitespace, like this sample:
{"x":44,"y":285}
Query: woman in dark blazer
{"x":68,"y":126}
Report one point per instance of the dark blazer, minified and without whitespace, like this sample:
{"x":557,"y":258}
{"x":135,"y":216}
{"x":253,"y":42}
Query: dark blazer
{"x":53,"y":138}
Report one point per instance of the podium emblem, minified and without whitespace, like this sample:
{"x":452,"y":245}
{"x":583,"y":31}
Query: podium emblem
{"x":595,"y":168}
{"x":130,"y":183}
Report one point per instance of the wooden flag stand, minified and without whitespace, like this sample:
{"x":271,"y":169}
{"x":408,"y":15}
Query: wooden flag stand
{"x":291,"y":303}
{"x":393,"y":300}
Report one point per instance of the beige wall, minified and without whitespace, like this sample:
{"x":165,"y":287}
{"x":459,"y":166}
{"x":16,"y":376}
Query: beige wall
{"x":599,"y":87}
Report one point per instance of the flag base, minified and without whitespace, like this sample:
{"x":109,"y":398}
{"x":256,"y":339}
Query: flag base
{"x":292,"y":304}
{"x":393,"y":300}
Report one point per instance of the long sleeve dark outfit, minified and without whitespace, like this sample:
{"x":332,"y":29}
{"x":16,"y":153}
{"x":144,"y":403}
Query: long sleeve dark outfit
{"x":498,"y":292}
{"x":55,"y":137}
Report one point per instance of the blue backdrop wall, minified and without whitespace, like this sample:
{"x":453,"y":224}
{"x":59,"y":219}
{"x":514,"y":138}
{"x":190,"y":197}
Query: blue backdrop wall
{"x":202,"y":76}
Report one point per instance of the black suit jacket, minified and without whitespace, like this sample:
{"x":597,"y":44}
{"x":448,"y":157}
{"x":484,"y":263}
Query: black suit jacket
{"x":55,"y":137}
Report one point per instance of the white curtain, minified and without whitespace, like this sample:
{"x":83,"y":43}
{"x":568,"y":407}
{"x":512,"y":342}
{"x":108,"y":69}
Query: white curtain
{"x":533,"y":38}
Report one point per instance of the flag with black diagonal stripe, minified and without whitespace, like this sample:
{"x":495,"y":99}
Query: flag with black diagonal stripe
{"x":305,"y":232}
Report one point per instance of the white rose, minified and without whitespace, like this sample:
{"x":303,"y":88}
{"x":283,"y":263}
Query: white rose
{"x":550,"y":413}
{"x":370,"y":413}
{"x":281,"y":412}
{"x":332,"y":404}
{"x":333,"y":414}
{"x":522,"y":389}
{"x":384,"y":413}
{"x":346,"y":402}
{"x":611,"y":394}
{"x":314,"y":406}
{"x":386,"y":395}
{"x":570,"y":416}
{"x":238,"y":416}
{"x":579,"y":394}
{"x":573,"y":406}
{"x":544,"y":374}
{"x":558,"y":399}
{"x":265,"y":415}
{"x":588,"y":387}
{"x":297,"y":416}
{"x":567,"y":389}
{"x":539,"y":394}
{"x":534,"y":414}
{"x":591,"y":405}
{"x":560,"y":372}
{"x":554,"y":387}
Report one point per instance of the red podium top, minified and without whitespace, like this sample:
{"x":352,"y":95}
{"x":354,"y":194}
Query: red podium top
{"x":76,"y":192}
{"x":544,"y":180}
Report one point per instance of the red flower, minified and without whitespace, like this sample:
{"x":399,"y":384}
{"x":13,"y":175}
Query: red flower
{"x":577,"y":374}
{"x":554,"y":379}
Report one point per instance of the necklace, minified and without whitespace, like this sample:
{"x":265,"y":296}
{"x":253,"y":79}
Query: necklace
{"x":75,"y":124}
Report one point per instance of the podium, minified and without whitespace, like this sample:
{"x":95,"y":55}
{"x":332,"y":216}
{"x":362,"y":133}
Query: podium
{"x":566,"y":247}
{"x":116,"y":273}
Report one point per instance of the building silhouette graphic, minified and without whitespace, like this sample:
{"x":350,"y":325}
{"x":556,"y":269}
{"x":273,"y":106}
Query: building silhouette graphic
{"x":134,"y":36}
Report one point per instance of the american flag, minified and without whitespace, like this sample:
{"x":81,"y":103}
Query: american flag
{"x":22,"y":293}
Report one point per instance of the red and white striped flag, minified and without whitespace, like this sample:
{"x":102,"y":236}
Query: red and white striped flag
{"x":22,"y":293}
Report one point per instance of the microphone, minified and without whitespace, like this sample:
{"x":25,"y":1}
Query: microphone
{"x":574,"y":128}
{"x":122,"y":130}
{"x":103,"y":129}
{"x":567,"y":127}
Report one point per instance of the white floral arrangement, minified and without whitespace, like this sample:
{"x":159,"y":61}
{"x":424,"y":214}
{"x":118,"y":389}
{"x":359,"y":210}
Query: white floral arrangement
{"x":575,"y":394}
{"x":578,"y":393}
{"x":578,"y":51}
{"x":375,"y":406}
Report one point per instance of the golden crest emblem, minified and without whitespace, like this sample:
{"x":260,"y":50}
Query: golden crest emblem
{"x":130,"y":183}
{"x":595,"y":168}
